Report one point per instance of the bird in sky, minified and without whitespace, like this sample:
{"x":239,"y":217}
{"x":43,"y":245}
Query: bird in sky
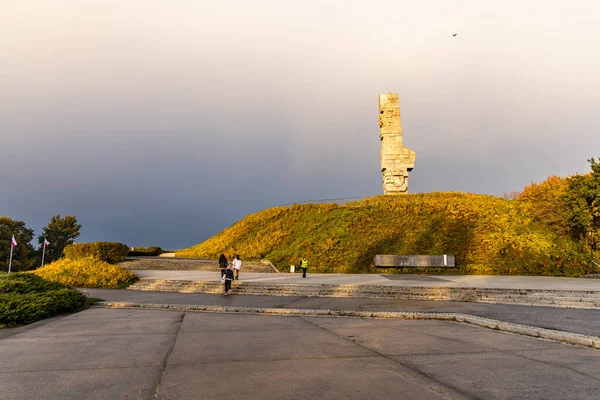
{"x":455,"y":34}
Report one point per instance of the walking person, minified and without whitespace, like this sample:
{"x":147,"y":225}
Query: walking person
{"x":237,"y":265}
{"x":223,"y":264}
{"x":304,"y":266}
{"x":228,"y":279}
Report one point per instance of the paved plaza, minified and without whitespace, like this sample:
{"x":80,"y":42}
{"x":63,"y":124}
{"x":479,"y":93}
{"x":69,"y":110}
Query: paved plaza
{"x":154,"y":354}
{"x":146,"y":354}
{"x":582,"y":321}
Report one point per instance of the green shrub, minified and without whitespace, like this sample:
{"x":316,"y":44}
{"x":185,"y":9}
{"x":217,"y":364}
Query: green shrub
{"x":26,"y":298}
{"x":110,"y":252}
{"x":87,"y":272}
{"x":143,"y":251}
{"x":26,"y":283}
{"x":583,"y":200}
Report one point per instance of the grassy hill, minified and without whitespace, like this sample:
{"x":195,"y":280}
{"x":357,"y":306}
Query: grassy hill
{"x":488,"y":235}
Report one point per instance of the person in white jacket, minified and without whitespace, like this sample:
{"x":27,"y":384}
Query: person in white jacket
{"x":237,"y":265}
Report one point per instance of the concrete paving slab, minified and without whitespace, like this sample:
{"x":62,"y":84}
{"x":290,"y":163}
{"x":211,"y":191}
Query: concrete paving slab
{"x":586,"y":322}
{"x":417,"y":305}
{"x":240,"y":301}
{"x":189,"y":298}
{"x":409,"y":322}
{"x":120,"y":326}
{"x":331,"y":324}
{"x":359,"y":304}
{"x":201,"y":347}
{"x":578,"y":359}
{"x":88,"y":384}
{"x":241,"y":323}
{"x":500,"y":375}
{"x":474,"y":335}
{"x":122,"y":383}
{"x":7,"y":332}
{"x":391,"y":341}
{"x":350,"y":323}
{"x":103,"y":313}
{"x":331,"y":379}
{"x":83,"y":352}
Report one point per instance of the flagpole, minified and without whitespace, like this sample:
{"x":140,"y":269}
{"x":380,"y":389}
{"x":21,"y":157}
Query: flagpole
{"x":43,"y":251}
{"x":10,"y":259}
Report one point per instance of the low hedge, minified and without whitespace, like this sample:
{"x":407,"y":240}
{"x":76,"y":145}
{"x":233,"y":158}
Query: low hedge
{"x":86,"y":272}
{"x":26,"y":298}
{"x":143,"y":251}
{"x":110,"y":252}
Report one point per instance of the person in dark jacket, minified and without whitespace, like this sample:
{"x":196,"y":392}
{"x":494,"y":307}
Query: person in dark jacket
{"x":223,"y":264}
{"x":228,"y":279}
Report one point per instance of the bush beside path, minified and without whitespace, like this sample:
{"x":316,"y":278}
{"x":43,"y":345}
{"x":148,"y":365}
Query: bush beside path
{"x":27,"y":298}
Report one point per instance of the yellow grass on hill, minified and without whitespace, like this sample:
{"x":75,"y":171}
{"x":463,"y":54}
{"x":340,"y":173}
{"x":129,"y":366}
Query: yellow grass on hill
{"x":488,"y":235}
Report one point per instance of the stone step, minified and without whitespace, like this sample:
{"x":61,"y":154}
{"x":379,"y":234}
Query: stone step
{"x":566,"y":298}
{"x":253,"y":286}
{"x":419,"y":291}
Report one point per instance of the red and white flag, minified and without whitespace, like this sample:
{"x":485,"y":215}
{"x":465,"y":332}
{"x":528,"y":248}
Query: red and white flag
{"x":46,"y":243}
{"x":13,"y":242}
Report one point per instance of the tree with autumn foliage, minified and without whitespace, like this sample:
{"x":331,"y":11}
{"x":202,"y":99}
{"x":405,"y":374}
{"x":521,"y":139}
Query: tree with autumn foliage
{"x":583,"y":200}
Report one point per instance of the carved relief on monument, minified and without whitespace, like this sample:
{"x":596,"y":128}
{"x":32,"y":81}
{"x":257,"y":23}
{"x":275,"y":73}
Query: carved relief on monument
{"x":396,"y":160}
{"x":395,"y":181}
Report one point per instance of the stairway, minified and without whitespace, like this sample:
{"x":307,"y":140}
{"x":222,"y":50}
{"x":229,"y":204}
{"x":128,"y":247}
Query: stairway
{"x":555,"y":298}
{"x":156,"y":285}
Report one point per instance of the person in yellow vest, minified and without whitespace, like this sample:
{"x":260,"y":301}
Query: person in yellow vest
{"x":304,"y":266}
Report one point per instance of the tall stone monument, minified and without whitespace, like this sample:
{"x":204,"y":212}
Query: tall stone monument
{"x":396,"y":160}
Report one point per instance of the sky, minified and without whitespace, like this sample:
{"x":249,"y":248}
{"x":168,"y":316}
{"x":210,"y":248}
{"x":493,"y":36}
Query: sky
{"x":159,"y":122}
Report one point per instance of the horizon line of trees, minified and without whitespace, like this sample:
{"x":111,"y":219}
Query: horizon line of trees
{"x":59,"y":232}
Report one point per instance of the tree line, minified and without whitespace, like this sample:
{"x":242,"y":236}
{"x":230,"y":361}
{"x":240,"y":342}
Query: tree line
{"x":59,"y":232}
{"x":570,"y":205}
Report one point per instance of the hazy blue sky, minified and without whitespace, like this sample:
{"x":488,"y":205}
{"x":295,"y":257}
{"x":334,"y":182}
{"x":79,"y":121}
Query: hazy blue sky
{"x":160,"y":122}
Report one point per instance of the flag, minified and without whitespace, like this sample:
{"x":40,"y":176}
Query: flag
{"x":46,"y":243}
{"x":13,"y":242}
